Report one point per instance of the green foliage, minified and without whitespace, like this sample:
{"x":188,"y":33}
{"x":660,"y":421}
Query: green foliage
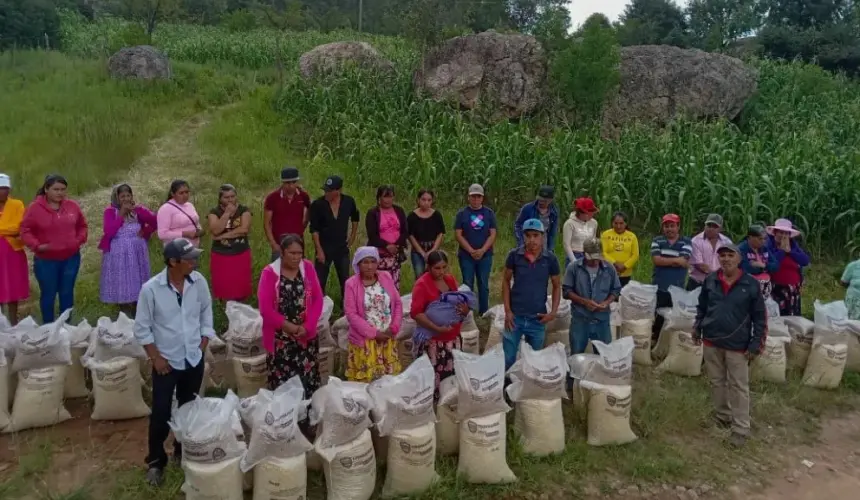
{"x":239,"y":20}
{"x":28,"y":23}
{"x":148,"y":13}
{"x":203,"y":11}
{"x":715,"y":24}
{"x":652,"y":22}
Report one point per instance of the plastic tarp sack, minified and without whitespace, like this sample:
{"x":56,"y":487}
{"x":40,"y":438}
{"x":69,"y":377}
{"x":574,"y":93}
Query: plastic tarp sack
{"x":772,"y":364}
{"x":801,"y":331}
{"x":281,"y":479}
{"x":43,"y":346}
{"x":343,"y":411}
{"x":613,"y":366}
{"x":244,"y":335}
{"x":340,"y":331}
{"x":4,"y":388}
{"x":562,"y":318}
{"x":117,"y":389}
{"x":350,"y":473}
{"x":275,"y":433}
{"x":38,"y":399}
{"x":325,"y":361}
{"x":539,"y":374}
{"x":685,"y":356}
{"x":615,"y":319}
{"x":681,"y":317}
{"x":207,"y":481}
{"x":411,"y":461}
{"x":252,"y":374}
{"x":496,"y":314}
{"x":609,"y":416}
{"x":638,"y":301}
{"x":483,"y":444}
{"x":407,"y":327}
{"x":640,"y":331}
{"x":471,"y":340}
{"x":540,"y":426}
{"x":404,"y":401}
{"x":480,"y":382}
{"x":205,"y":427}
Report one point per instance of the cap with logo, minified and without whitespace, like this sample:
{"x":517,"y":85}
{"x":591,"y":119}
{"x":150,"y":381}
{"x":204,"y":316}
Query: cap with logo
{"x":5,"y":181}
{"x":593,"y":249}
{"x":476,"y":189}
{"x":671,"y":218}
{"x":714,"y":220}
{"x":546,"y":193}
{"x":533,"y":225}
{"x":333,"y":183}
{"x":181,"y":249}
{"x":289,"y":174}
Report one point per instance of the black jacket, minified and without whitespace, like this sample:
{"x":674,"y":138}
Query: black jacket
{"x":372,"y":226}
{"x":737,"y":320}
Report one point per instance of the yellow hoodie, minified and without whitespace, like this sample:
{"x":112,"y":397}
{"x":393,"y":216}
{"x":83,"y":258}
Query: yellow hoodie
{"x":623,"y":248}
{"x":10,"y":222}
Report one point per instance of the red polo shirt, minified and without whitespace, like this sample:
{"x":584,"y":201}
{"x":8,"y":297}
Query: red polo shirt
{"x":287,"y":214}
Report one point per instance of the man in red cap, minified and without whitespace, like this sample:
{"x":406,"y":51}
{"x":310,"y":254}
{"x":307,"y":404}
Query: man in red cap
{"x":671,"y":254}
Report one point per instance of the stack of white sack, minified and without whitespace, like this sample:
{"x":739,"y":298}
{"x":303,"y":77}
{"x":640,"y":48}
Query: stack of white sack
{"x":683,"y":356}
{"x":76,"y":381}
{"x":829,"y":353}
{"x":537,"y":388}
{"x":244,"y":339}
{"x":41,"y":362}
{"x":801,"y":331}
{"x":404,"y":336}
{"x":216,"y":367}
{"x":772,"y":364}
{"x":7,"y":349}
{"x":481,"y":410}
{"x":496,"y":315}
{"x":638,"y":303}
{"x":602,"y":391}
{"x":447,"y":423}
{"x":469,"y":332}
{"x":327,"y":352}
{"x":558,"y":330}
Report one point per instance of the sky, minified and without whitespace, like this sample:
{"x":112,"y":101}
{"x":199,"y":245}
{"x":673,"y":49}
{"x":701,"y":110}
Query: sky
{"x":581,"y":9}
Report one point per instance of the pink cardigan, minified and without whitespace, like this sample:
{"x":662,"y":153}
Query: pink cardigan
{"x":360,"y":330}
{"x":268,"y":296}
{"x":172,"y":222}
{"x":113,"y":222}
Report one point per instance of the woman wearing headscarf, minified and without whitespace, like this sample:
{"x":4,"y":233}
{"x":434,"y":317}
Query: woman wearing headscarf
{"x":374,"y":313}
{"x":125,"y":255}
{"x":291,"y":302}
{"x":230,"y":263}
{"x":14,"y":275}
{"x":178,"y":218}
{"x":579,"y":227}
{"x":787,"y":280}
{"x":620,"y":247}
{"x":386,"y":230}
{"x":55,"y":229}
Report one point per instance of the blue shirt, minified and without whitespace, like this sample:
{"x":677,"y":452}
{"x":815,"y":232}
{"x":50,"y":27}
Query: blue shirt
{"x":175,"y":330}
{"x":531,"y":211}
{"x":577,"y":279}
{"x":528,"y":294}
{"x":666,"y":276}
{"x":476,"y":225}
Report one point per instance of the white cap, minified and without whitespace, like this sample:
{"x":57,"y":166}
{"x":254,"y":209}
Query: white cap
{"x":5,"y":181}
{"x":476,"y":189}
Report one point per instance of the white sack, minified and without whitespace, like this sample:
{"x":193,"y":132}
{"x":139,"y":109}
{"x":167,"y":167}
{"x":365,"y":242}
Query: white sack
{"x":252,"y":374}
{"x":80,"y":335}
{"x":801,"y":330}
{"x":558,"y":337}
{"x":115,"y":339}
{"x":447,"y":430}
{"x":638,"y":301}
{"x":350,"y":474}
{"x":609,"y":416}
{"x":325,"y":362}
{"x":496,"y":314}
{"x":281,"y":479}
{"x":42,"y":347}
{"x":407,"y":327}
{"x":75,"y":385}
{"x":540,"y":426}
{"x":614,"y":366}
{"x":4,"y":390}
{"x":640,"y":331}
{"x":471,"y":340}
{"x":681,"y":317}
{"x":405,"y":353}
{"x":480,"y":382}
{"x":117,"y":389}
{"x":205,"y":427}
{"x":482,"y":450}
{"x":244,"y":335}
{"x":323,"y":327}
{"x":340,"y":331}
{"x":38,"y":399}
{"x":825,"y":366}
{"x":539,"y":374}
{"x":404,"y":401}
{"x":772,"y":363}
{"x":212,"y":481}
{"x":342,"y":409}
{"x":684,"y":355}
{"x":411,"y":461}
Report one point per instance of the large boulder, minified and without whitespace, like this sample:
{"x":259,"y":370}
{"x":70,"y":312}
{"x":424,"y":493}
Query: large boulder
{"x":660,"y":83}
{"x":505,"y":73}
{"x":332,"y":57}
{"x":143,"y":62}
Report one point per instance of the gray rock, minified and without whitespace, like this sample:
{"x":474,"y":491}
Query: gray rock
{"x":332,"y":57}
{"x":735,"y":492}
{"x":659,"y":83}
{"x":691,"y":495}
{"x":142,"y":62}
{"x":504,"y":73}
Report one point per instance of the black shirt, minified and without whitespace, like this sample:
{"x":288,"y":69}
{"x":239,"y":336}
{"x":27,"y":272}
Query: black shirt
{"x":333,"y":231}
{"x":425,"y":231}
{"x":232,"y":246}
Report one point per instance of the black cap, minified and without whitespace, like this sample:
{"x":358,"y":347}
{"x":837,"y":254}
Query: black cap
{"x":333,"y":183}
{"x":181,"y":249}
{"x":546,"y":192}
{"x":289,"y":174}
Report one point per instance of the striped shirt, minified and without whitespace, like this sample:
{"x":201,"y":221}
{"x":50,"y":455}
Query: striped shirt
{"x":666,"y":276}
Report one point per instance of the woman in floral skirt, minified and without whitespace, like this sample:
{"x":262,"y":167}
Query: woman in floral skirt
{"x":374,"y":313}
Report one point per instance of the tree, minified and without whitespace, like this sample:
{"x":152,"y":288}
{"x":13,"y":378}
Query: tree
{"x":714,"y":24}
{"x":525,"y":15}
{"x":806,"y":13}
{"x":28,"y":23}
{"x":148,"y":13}
{"x":551,"y":27}
{"x":203,"y":11}
{"x":652,"y":22}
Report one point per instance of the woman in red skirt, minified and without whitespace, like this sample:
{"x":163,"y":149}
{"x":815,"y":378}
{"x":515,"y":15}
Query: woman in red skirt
{"x":230,"y":263}
{"x":14,"y":274}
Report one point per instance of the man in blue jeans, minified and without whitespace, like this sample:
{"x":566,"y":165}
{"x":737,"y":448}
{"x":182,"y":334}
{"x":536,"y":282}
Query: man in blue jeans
{"x":591,"y":285}
{"x":531,"y":267}
{"x":475,"y":230}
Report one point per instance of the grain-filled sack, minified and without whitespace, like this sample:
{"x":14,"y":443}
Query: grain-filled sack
{"x":615,"y":319}
{"x":212,"y":481}
{"x":222,"y":366}
{"x":340,"y":332}
{"x":404,"y":401}
{"x":772,"y":363}
{"x":42,"y":347}
{"x":638,"y":301}
{"x":801,"y":330}
{"x":4,"y":389}
{"x":496,"y":314}
{"x":471,"y":340}
{"x":825,"y":366}
{"x":205,"y":427}
{"x":580,"y":397}
{"x":252,"y":374}
{"x":115,"y":339}
{"x":325,"y":361}
{"x":342,"y":411}
{"x":685,"y":355}
{"x":480,"y":382}
{"x":539,"y":374}
{"x":207,"y":381}
{"x":411,"y":461}
{"x":324,"y":334}
{"x":407,"y":326}
{"x":483,"y":444}
{"x":38,"y":399}
{"x":558,"y":337}
{"x":244,"y":335}
{"x":540,"y":426}
{"x":640,"y":331}
{"x":281,"y":479}
{"x":117,"y":389}
{"x":612,"y":366}
{"x":404,"y":352}
{"x":447,"y":430}
{"x":75,"y":385}
{"x":350,"y":474}
{"x":609,"y":416}
{"x":681,"y":317}
{"x":562,"y":318}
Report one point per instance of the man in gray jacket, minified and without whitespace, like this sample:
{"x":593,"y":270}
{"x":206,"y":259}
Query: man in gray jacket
{"x":591,"y":284}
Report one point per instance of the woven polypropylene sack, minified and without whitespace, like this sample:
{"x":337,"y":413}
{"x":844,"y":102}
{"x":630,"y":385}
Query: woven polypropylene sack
{"x":342,"y":410}
{"x":208,"y":481}
{"x":244,"y":335}
{"x":411,"y":461}
{"x":801,"y":330}
{"x":614,"y":364}
{"x":351,"y":473}
{"x":685,"y":356}
{"x":483,"y":443}
{"x":640,"y":331}
{"x":206,"y":429}
{"x":558,"y":337}
{"x":117,"y":389}
{"x":609,"y":416}
{"x":539,"y":374}
{"x":281,"y":479}
{"x":480,"y":382}
{"x":580,"y":398}
{"x":404,"y":352}
{"x":75,"y":385}
{"x":38,"y":399}
{"x":43,"y":346}
{"x":447,"y":430}
{"x":115,"y":339}
{"x":404,"y":401}
{"x":325,"y":361}
{"x":314,"y":461}
{"x":825,"y":366}
{"x":252,"y":374}
{"x":852,"y":363}
{"x":407,"y":326}
{"x":222,"y":366}
{"x":638,"y":301}
{"x":471,"y":340}
{"x":496,"y":314}
{"x":772,"y":363}
{"x":4,"y":391}
{"x":540,"y":426}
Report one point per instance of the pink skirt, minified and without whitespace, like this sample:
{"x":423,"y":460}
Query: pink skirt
{"x":231,"y":275}
{"x":14,"y":274}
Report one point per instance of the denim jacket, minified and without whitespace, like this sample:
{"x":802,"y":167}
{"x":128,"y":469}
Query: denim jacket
{"x":578,"y":280}
{"x":530,"y":211}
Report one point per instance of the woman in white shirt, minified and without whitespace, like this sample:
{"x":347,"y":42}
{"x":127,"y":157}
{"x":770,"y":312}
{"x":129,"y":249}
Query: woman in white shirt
{"x":580,"y":227}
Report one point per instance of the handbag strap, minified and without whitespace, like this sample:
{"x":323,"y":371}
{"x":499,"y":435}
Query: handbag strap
{"x":185,"y":214}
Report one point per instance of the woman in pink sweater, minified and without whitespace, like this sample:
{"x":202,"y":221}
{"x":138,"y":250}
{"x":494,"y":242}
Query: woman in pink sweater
{"x":374,"y":313}
{"x":178,"y":218}
{"x":291,"y":302}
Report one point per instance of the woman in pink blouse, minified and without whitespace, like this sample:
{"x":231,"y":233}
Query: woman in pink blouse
{"x":177,"y":218}
{"x":386,"y":230}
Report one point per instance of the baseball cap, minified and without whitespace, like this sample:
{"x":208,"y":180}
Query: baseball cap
{"x":546,"y":192}
{"x":731,"y":247}
{"x":714,"y":219}
{"x":593,"y":249}
{"x":757,"y":230}
{"x":671,"y":218}
{"x":476,"y":189}
{"x":333,"y":183}
{"x":5,"y":181}
{"x":585,"y":205}
{"x":533,"y":225}
{"x":181,"y":249}
{"x":289,"y":174}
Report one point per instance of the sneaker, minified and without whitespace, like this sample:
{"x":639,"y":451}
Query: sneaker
{"x":737,"y":440}
{"x":155,"y":476}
